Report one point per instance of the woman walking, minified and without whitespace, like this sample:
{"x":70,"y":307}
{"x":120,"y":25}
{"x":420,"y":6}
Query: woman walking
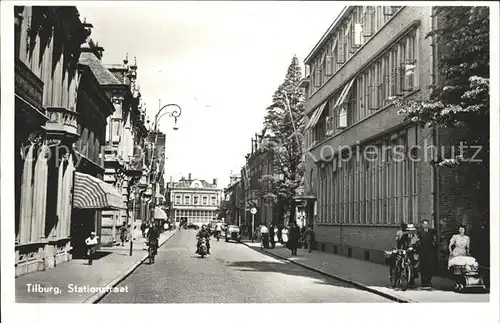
{"x":284,"y":236}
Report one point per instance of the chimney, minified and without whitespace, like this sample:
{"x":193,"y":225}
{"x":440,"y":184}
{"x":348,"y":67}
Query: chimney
{"x":189,"y":176}
{"x":215,"y":181}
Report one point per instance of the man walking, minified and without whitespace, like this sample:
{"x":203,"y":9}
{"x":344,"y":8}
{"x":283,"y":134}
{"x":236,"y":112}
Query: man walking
{"x":427,"y":251}
{"x":123,"y":233}
{"x":293,"y":242}
{"x":91,"y":243}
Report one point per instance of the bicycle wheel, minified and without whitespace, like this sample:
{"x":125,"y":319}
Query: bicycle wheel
{"x":404,"y":278}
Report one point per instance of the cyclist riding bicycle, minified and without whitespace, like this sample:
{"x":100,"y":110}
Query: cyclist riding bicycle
{"x":406,"y":238}
{"x":153,"y":237}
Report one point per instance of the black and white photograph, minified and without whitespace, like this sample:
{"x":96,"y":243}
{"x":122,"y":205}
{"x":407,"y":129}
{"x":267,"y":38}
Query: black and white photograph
{"x":250,"y":152}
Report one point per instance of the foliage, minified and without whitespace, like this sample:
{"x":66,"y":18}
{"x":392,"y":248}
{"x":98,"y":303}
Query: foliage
{"x":461,"y":97}
{"x":284,"y":123}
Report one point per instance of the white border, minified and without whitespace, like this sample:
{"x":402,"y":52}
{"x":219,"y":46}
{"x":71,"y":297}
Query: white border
{"x":12,"y":312}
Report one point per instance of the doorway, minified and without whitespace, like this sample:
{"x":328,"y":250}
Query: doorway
{"x":82,"y":224}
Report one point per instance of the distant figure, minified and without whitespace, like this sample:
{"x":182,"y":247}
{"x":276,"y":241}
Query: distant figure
{"x":309,"y":237}
{"x":293,"y":242}
{"x":143,"y":229}
{"x":91,"y":243}
{"x":284,"y":236}
{"x":166,"y":226}
{"x":272,"y":235}
{"x":123,"y":233}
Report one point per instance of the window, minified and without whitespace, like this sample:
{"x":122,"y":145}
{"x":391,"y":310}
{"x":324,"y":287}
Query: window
{"x":178,"y":199}
{"x":116,"y":130}
{"x":195,"y":199}
{"x":214,"y":201}
{"x":187,"y":199}
{"x":205,"y":200}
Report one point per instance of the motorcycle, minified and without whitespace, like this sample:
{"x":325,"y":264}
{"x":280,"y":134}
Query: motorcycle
{"x":202,"y":249}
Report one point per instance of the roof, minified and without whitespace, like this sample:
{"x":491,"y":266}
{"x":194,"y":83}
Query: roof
{"x":186,"y":183}
{"x":101,"y":73}
{"x":327,"y":34}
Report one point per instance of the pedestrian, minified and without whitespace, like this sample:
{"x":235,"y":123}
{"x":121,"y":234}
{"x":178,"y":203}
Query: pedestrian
{"x":264,"y":232}
{"x":294,"y":236}
{"x":280,"y":234}
{"x":91,"y":243}
{"x":166,"y":227}
{"x":302,"y":237}
{"x":143,"y":229}
{"x":427,"y":250}
{"x":309,"y":237}
{"x":284,"y":236}
{"x":271,"y":234}
{"x":123,"y":233}
{"x":276,"y":236}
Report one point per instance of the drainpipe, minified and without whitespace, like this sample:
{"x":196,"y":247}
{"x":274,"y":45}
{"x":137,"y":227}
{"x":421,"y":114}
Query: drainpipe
{"x":435,"y":142}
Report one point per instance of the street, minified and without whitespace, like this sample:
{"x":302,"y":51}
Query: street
{"x":233,"y":273}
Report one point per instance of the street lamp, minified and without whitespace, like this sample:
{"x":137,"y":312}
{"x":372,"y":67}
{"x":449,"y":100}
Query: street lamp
{"x":175,"y":113}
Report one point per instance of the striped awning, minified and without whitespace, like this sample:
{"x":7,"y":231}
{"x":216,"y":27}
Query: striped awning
{"x":316,"y":115}
{"x":160,"y":214}
{"x":93,"y":193}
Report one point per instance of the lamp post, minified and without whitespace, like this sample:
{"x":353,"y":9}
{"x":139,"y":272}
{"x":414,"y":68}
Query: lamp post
{"x":175,"y":114}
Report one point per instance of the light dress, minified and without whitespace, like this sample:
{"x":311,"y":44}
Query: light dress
{"x":461,"y":244}
{"x":284,"y":235}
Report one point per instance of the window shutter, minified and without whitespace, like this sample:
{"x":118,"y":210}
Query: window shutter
{"x":388,"y":10}
{"x":367,"y":22}
{"x":358,"y":30}
{"x":343,"y":116}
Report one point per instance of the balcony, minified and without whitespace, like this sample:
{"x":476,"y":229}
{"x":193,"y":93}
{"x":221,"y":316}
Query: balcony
{"x":62,"y":123}
{"x":29,"y":89}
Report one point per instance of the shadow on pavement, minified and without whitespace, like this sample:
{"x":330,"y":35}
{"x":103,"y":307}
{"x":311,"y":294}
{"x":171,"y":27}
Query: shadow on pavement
{"x":287,"y":269}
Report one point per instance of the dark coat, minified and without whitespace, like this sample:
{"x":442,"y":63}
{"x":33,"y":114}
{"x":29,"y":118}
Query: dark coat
{"x":293,"y":237}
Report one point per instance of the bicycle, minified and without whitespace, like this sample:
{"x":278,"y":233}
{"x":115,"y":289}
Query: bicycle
{"x":402,"y":272}
{"x":152,"y":251}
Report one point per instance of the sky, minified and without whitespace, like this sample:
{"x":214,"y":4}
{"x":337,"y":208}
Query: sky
{"x":220,"y":61}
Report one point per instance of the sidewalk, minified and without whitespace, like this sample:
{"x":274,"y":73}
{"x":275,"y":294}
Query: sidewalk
{"x":372,"y":276}
{"x":111,"y":266}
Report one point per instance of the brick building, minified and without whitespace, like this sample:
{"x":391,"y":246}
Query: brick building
{"x":368,"y":55}
{"x":235,"y":201}
{"x":259,"y":163}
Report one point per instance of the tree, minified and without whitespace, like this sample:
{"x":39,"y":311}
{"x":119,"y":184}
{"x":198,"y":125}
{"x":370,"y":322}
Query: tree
{"x":459,"y":103}
{"x":284,"y":122}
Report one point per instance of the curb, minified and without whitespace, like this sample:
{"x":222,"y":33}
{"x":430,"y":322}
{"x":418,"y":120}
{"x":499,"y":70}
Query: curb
{"x":100,"y":295}
{"x":362,"y":286}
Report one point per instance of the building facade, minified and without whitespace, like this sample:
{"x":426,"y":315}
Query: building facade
{"x":47,"y":46}
{"x":259,"y":164}
{"x":52,"y":115}
{"x":364,"y":167}
{"x":235,"y":201}
{"x":126,"y":138}
{"x":195,"y":201}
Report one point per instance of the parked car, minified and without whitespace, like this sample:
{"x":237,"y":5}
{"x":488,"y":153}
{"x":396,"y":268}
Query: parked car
{"x":233,"y":233}
{"x":192,"y":226}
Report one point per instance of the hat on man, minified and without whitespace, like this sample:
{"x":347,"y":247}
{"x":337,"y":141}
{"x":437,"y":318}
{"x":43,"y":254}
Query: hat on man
{"x":92,"y":233}
{"x":410,"y":227}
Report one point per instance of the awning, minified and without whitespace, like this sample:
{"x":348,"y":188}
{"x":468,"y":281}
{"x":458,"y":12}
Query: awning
{"x":316,"y":115}
{"x":160,"y":214}
{"x":93,"y":193}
